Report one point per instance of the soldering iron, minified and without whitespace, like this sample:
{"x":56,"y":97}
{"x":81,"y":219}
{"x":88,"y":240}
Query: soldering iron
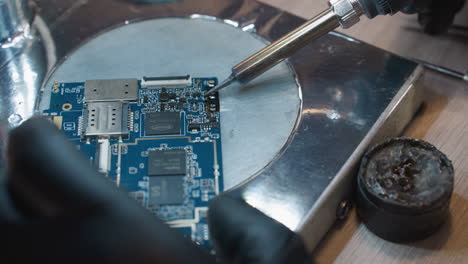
{"x":341,"y":13}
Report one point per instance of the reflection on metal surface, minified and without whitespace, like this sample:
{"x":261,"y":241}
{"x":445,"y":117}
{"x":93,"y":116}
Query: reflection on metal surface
{"x":391,"y":122}
{"x":346,"y":87}
{"x":285,"y":213}
{"x":343,"y":36}
{"x":15,"y":19}
{"x":206,"y":17}
{"x":22,"y":74}
{"x":16,"y":41}
{"x":231,"y":22}
{"x":249,"y":28}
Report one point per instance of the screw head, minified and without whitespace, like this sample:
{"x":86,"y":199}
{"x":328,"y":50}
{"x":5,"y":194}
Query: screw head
{"x":344,"y":208}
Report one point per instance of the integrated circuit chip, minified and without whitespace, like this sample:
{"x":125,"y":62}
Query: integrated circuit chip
{"x":162,"y":123}
{"x":166,"y":190}
{"x":167,"y":162}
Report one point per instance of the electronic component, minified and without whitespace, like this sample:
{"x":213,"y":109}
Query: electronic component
{"x":104,"y":157}
{"x":207,"y":185}
{"x":148,"y":142}
{"x":162,"y":123}
{"x":167,"y":162}
{"x":212,"y":102}
{"x":58,"y":120}
{"x":163,"y":97}
{"x":166,"y":82}
{"x":194,"y":128}
{"x":111,"y":90}
{"x":106,"y":119}
{"x":166,"y":190}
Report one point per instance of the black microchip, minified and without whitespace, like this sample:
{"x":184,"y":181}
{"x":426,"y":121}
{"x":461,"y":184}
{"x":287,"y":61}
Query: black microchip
{"x":166,"y":190}
{"x":167,"y":162}
{"x":194,"y":127}
{"x":162,"y":123}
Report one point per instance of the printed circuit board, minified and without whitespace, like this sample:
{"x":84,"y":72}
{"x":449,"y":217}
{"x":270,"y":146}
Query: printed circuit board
{"x":157,"y":138}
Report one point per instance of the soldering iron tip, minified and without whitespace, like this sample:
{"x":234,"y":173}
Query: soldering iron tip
{"x":222,"y":85}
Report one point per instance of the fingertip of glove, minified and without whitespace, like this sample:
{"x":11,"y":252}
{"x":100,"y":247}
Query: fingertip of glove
{"x":223,"y":206}
{"x":30,"y":129}
{"x":244,"y":234}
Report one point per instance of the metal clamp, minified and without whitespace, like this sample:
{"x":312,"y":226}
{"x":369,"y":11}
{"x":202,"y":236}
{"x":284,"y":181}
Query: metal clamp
{"x":348,"y":12}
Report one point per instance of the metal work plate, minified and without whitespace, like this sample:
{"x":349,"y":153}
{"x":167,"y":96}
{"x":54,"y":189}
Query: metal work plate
{"x":289,"y":152}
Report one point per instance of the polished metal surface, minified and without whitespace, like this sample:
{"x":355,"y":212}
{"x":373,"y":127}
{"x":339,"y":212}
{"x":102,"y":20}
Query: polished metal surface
{"x":295,"y":168}
{"x":342,"y":101}
{"x":15,"y":19}
{"x":27,"y":52}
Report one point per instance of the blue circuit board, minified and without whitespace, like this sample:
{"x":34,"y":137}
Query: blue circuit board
{"x":157,"y":138}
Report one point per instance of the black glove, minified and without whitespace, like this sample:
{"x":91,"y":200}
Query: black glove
{"x":435,"y":16}
{"x":63,"y":211}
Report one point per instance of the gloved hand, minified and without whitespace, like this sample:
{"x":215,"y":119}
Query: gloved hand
{"x":435,"y":16}
{"x":63,"y":211}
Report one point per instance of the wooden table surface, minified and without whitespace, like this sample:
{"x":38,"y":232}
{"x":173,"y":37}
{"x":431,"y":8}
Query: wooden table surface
{"x":443,"y":122}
